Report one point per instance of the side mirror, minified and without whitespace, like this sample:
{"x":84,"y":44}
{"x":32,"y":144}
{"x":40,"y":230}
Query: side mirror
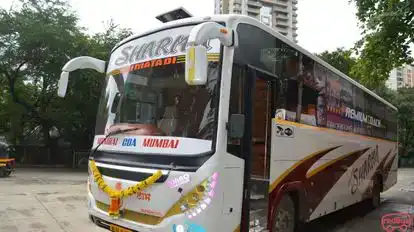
{"x":236,"y":126}
{"x":82,"y":62}
{"x":196,"y":63}
{"x":63,"y":84}
{"x":115,"y":103}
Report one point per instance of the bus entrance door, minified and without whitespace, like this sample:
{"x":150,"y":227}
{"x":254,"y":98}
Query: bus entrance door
{"x":259,"y":177}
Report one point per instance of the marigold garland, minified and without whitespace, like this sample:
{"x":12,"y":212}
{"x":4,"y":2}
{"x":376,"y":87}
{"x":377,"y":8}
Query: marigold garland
{"x":116,"y":195}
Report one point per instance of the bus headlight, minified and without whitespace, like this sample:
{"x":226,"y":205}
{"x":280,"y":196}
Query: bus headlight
{"x":200,"y":197}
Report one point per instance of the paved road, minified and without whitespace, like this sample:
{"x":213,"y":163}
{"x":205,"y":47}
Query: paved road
{"x":54,"y":201}
{"x":44,"y":201}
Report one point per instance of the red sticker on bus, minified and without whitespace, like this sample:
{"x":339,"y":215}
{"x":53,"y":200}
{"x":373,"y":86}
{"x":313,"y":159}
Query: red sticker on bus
{"x":143,"y":196}
{"x":160,"y":143}
{"x":108,"y":141}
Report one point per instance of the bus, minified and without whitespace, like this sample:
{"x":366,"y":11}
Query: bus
{"x":220,"y":123}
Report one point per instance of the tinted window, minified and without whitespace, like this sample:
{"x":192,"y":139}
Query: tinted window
{"x":263,"y":51}
{"x":256,"y":47}
{"x":338,"y":98}
{"x":391,"y":120}
{"x":359,"y":105}
{"x":327,"y":99}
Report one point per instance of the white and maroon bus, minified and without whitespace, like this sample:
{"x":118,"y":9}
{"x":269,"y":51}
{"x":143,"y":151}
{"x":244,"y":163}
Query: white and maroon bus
{"x":222,"y":124}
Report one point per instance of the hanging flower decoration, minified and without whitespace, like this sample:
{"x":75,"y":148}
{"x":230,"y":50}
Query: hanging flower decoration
{"x":116,"y":195}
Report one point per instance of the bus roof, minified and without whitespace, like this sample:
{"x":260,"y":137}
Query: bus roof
{"x":233,"y":20}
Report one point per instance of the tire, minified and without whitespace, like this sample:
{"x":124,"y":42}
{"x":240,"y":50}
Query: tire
{"x":7,"y":172}
{"x":375,"y":200}
{"x":92,"y":219}
{"x":284,"y":219}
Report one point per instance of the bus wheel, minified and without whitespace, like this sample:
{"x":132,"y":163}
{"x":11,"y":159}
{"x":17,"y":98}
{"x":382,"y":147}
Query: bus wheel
{"x":91,"y":218}
{"x":284,"y":216}
{"x":376,"y":194}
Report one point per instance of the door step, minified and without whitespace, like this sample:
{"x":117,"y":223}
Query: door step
{"x":258,"y":204}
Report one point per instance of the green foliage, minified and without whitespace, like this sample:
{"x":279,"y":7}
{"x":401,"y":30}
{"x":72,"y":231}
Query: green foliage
{"x":388,"y":27}
{"x":404,"y":100}
{"x":36,"y":40}
{"x":341,"y":59}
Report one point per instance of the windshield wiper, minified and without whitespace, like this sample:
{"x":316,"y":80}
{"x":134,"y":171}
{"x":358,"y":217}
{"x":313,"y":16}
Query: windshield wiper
{"x":112,"y":133}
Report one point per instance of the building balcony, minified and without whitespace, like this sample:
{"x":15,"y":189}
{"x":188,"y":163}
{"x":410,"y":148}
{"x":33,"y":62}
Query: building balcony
{"x":295,"y":8}
{"x":281,"y":9}
{"x":282,"y":17}
{"x":281,"y":4}
{"x":236,"y":8}
{"x":280,"y":23}
{"x":253,"y":15}
{"x":281,"y":29}
{"x":283,"y":33}
{"x":255,"y":4}
{"x":254,"y":11}
{"x":282,"y":14}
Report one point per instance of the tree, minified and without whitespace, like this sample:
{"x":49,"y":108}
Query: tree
{"x":388,"y":29}
{"x":341,"y":59}
{"x":36,"y":40}
{"x":81,"y":102}
{"x":404,"y":101}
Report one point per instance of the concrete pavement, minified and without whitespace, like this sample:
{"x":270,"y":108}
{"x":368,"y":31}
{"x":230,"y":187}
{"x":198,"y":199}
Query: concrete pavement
{"x":44,"y":201}
{"x":51,"y":200}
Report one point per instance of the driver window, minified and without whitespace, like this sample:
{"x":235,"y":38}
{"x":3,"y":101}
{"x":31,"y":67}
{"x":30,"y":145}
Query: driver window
{"x":236,"y":105}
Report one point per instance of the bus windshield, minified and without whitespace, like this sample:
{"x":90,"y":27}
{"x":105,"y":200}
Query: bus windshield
{"x":150,"y":94}
{"x":161,"y":103}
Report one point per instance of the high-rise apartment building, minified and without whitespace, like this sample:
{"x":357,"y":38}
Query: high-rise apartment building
{"x":401,"y":77}
{"x":279,"y":14}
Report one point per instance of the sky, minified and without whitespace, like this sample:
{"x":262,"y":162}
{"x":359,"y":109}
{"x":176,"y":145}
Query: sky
{"x":322,"y":24}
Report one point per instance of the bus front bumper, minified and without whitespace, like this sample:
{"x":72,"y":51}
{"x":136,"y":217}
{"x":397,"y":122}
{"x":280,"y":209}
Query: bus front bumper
{"x":102,"y":219}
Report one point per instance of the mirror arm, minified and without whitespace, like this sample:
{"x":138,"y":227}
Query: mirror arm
{"x":84,"y":62}
{"x":210,"y":30}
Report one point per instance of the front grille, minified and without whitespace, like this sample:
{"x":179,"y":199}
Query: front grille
{"x":187,"y":163}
